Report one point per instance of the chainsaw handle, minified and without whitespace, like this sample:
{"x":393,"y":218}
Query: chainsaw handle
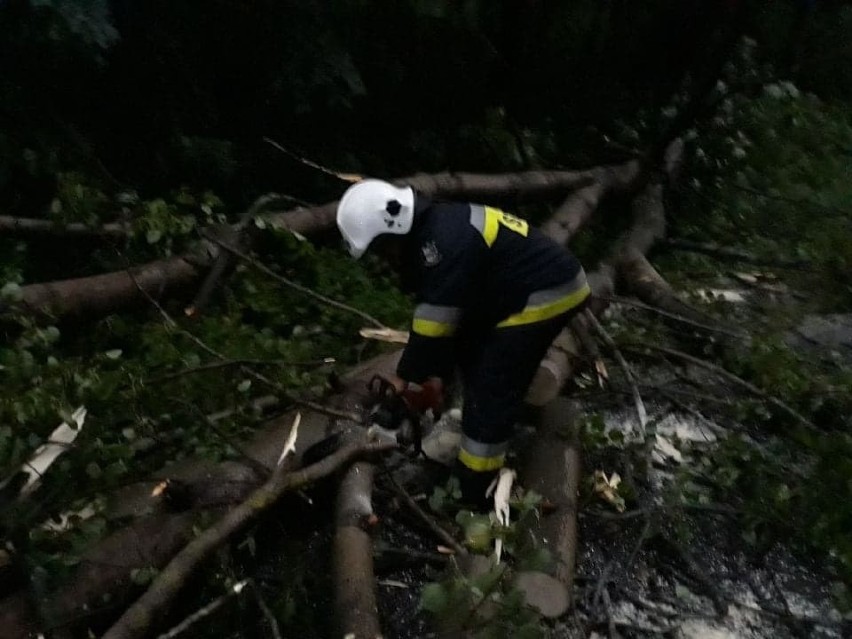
{"x":381,"y":388}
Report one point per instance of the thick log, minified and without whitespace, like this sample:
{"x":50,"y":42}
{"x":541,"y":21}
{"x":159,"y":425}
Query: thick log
{"x":355,"y":583}
{"x":737,"y":255}
{"x":100,"y":295}
{"x":625,"y":263}
{"x":154,"y":533}
{"x":578,"y":208}
{"x":29,"y":227}
{"x":472,"y":186}
{"x":552,"y":468}
{"x":138,"y":620}
{"x":558,"y":365}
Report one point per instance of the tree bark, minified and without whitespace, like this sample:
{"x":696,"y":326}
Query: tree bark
{"x":147,"y":612}
{"x":93,"y":297}
{"x":100,"y":295}
{"x":578,"y":208}
{"x":29,"y":228}
{"x":552,"y":468}
{"x":152,"y":539}
{"x":355,"y":583}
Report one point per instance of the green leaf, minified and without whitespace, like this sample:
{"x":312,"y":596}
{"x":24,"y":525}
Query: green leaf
{"x":153,"y":236}
{"x":244,"y":386}
{"x":143,"y":576}
{"x":114,"y":353}
{"x":93,"y":470}
{"x":11,"y":292}
{"x":531,"y":630}
{"x":434,"y":598}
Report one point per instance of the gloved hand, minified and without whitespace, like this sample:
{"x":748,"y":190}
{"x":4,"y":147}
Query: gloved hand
{"x":397,"y":400}
{"x":426,"y":396}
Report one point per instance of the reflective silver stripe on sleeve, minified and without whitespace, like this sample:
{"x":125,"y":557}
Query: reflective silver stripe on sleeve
{"x":477,"y":218}
{"x":435,"y":313}
{"x":481,"y":449}
{"x":546,"y":296}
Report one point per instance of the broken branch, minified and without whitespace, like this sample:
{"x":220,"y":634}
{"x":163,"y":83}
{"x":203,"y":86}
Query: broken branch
{"x":618,"y":299}
{"x":716,"y":250}
{"x":295,"y":286}
{"x":642,"y":414}
{"x":31,"y":227}
{"x":320,"y":408}
{"x":445,"y":537}
{"x":721,"y":372}
{"x":355,"y":583}
{"x":143,"y":614}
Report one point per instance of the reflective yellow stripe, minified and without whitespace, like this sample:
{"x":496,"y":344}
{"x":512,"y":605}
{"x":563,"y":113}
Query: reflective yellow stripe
{"x":481,"y":463}
{"x":511,"y":222}
{"x":432,"y":328}
{"x":491,"y":226}
{"x":532,"y":314}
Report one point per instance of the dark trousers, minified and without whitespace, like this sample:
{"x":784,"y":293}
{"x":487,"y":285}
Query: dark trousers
{"x":497,"y":368}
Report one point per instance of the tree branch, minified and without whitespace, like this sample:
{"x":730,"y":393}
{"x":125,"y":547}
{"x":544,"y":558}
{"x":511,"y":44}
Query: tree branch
{"x":642,"y":414}
{"x":224,"y":259}
{"x":445,"y":537}
{"x":618,"y":299}
{"x":721,"y":372}
{"x":136,"y":622}
{"x":31,"y":227}
{"x":297,"y":287}
{"x":320,"y":408}
{"x":716,"y":250}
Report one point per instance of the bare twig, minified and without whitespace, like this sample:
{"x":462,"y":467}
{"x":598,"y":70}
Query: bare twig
{"x":320,"y":408}
{"x":718,"y":370}
{"x":142,"y":615}
{"x":613,"y":633}
{"x":37,"y":227}
{"x":224,"y":260}
{"x":716,"y":250}
{"x":685,"y":393}
{"x":439,"y":532}
{"x":231,"y":362}
{"x":699,"y":575}
{"x":791,"y":200}
{"x":343,"y":177}
{"x":642,"y":414}
{"x":607,"y":572}
{"x":674,"y":316}
{"x":315,"y":406}
{"x":267,"y":613}
{"x":417,"y":555}
{"x":206,"y":611}
{"x":295,"y":286}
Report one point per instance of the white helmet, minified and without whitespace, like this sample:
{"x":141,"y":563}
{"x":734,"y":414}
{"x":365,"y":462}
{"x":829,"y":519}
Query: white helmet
{"x":370,"y":208}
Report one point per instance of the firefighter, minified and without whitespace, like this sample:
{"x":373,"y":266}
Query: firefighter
{"x":492,"y":293}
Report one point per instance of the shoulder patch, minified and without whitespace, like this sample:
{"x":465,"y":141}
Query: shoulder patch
{"x":431,"y":254}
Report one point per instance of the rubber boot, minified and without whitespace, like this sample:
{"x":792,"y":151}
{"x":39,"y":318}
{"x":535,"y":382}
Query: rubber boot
{"x":473,"y":485}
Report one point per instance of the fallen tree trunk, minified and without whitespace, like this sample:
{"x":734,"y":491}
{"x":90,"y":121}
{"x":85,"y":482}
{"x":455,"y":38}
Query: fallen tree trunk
{"x":578,"y":208}
{"x":724,"y":252}
{"x":625,"y":265}
{"x":552,"y":468}
{"x":30,"y":227}
{"x":355,"y":583}
{"x":147,"y":612}
{"x":99,"y":295}
{"x":153,"y":538}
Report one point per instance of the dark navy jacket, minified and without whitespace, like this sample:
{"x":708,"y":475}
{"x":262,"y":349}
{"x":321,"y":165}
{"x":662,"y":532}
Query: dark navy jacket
{"x":477,"y":269}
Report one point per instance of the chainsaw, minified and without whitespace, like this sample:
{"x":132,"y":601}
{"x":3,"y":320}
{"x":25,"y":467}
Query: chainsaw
{"x":393,"y":413}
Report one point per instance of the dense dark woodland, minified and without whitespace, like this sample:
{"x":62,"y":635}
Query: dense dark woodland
{"x":132,"y":134}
